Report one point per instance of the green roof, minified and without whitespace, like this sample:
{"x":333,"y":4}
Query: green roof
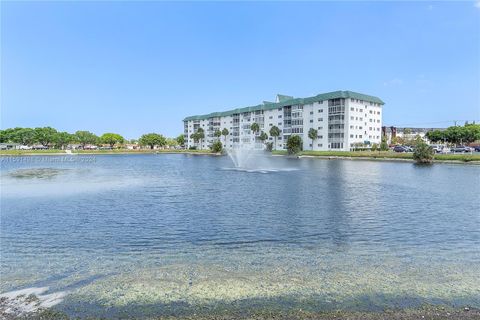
{"x":282,"y":98}
{"x":289,"y":101}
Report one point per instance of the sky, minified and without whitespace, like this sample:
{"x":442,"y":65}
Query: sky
{"x":140,"y":67}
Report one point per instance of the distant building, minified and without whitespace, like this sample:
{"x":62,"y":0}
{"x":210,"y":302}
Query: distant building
{"x":341,"y":118}
{"x":409,"y":133}
{"x":9,"y":146}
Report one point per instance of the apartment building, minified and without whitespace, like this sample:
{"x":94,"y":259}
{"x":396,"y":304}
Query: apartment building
{"x":341,"y":118}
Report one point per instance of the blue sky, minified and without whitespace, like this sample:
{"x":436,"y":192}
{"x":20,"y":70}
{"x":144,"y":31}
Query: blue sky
{"x":137,"y":67}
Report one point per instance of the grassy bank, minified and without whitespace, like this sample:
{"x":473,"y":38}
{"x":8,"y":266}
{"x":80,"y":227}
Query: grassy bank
{"x":114,"y":151}
{"x":384,"y":155}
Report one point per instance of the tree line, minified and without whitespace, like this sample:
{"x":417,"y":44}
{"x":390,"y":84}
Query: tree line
{"x":50,"y":137}
{"x":456,"y":134}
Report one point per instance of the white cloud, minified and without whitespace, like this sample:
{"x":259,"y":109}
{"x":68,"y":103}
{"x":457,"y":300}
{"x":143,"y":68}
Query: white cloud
{"x":393,"y":82}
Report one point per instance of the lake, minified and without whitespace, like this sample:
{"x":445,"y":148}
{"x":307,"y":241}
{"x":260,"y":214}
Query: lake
{"x":181,"y":234}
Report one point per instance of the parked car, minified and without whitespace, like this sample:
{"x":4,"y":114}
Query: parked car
{"x":39,"y":147}
{"x":25,"y":148}
{"x":438,"y":148}
{"x":461,"y":149}
{"x":477,"y":148}
{"x":400,"y":149}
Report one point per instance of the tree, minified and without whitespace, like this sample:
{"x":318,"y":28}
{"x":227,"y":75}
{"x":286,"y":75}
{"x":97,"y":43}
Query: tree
{"x":9,"y":135}
{"x":152,"y":140}
{"x":85,"y":137}
{"x":45,"y":135}
{"x":384,"y":144}
{"x":313,"y":134}
{"x":294,"y":144}
{"x":181,"y":140}
{"x":24,"y":136}
{"x":274,"y":132}
{"x":255,"y":128}
{"x":111,"y":139}
{"x":195,"y":137}
{"x":217,"y":134}
{"x":262,"y":137}
{"x":472,"y":132}
{"x":435,"y":136}
{"x":62,"y":139}
{"x":217,"y":146}
{"x":374,"y":147}
{"x":170,"y":142}
{"x":201,"y":135}
{"x":423,"y":153}
{"x":225,"y":134}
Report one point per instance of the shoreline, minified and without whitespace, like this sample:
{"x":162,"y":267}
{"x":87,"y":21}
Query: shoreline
{"x":458,"y":158}
{"x":386,"y":159}
{"x":424,"y":312}
{"x":96,"y":152}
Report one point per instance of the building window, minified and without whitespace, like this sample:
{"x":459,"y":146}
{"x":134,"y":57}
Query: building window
{"x":311,"y":112}
{"x":351,"y":136}
{"x":320,"y":145}
{"x":320,"y":110}
{"x":320,"y":119}
{"x":279,"y":116}
{"x":311,"y":121}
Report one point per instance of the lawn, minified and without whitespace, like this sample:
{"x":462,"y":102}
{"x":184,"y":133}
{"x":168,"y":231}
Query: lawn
{"x":383,"y":155}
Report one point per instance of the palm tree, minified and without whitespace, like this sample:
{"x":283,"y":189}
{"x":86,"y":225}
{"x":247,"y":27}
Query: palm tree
{"x":217,"y":134}
{"x":200,"y":134}
{"x":255,"y":128}
{"x":225,"y":134}
{"x":262,"y":137}
{"x":312,"y":134}
{"x":275,"y":132}
{"x":195,"y":137}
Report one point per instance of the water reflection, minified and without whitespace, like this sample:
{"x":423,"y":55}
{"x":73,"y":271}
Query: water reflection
{"x":159,"y":229}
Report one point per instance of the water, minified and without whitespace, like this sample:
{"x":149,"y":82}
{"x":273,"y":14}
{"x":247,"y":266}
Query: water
{"x":179,"y":234}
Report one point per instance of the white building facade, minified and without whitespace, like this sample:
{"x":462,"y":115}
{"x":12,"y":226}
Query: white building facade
{"x":342,"y":120}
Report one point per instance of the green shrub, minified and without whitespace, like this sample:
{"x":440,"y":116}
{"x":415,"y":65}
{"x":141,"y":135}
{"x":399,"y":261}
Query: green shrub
{"x":192,"y":148}
{"x":269,"y":146}
{"x":294,"y":144}
{"x":217,"y":147}
{"x":374,"y":147}
{"x":423,"y":153}
{"x":384,"y":144}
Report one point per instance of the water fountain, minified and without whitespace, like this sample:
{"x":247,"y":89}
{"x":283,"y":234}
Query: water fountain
{"x":253,"y":157}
